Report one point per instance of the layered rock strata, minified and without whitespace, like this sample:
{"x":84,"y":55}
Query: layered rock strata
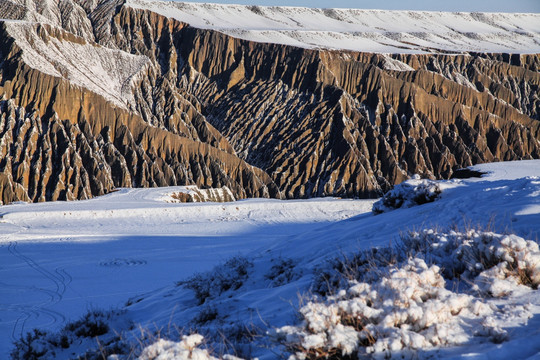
{"x":62,"y":142}
{"x":163,"y":103}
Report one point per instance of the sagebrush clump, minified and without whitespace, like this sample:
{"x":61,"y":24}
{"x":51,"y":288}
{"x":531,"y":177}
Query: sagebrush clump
{"x":407,"y":194}
{"x":495,"y":264}
{"x":395,"y":301}
{"x":188,"y":348}
{"x":406,"y":309}
{"x":38,"y":344}
{"x":282,"y":272}
{"x":228,"y":276}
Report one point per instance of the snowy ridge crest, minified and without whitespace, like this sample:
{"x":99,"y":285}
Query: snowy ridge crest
{"x":105,"y":71}
{"x":377,"y":31}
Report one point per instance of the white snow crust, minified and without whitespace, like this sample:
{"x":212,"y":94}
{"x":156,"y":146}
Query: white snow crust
{"x":107,"y":72}
{"x":379,"y":31}
{"x":187,"y":349}
{"x":132,"y":250}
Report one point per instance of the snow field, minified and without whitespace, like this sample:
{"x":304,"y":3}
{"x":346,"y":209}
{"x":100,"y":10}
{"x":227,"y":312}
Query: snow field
{"x":378,"y":31}
{"x":59,"y":260}
{"x":435,"y":292}
{"x":277,"y":278}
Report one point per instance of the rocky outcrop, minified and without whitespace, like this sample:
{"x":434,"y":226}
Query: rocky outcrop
{"x":200,"y":107}
{"x":62,"y":142}
{"x":57,"y":160}
{"x":333,"y":123}
{"x":49,"y":160}
{"x":194,"y":194}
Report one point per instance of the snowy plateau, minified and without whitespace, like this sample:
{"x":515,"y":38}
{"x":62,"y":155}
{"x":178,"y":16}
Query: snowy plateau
{"x":377,"y":31}
{"x":132,"y":274}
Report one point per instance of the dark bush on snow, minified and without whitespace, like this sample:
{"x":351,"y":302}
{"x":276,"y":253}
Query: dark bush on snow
{"x":229,"y":276}
{"x":38,"y":344}
{"x":282,"y":272}
{"x":90,"y":325}
{"x":408,"y":194}
{"x":32,"y":346}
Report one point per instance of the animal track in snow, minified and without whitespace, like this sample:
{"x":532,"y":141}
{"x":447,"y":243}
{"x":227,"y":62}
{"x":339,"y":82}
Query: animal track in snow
{"x":60,"y":278}
{"x":123,"y":262}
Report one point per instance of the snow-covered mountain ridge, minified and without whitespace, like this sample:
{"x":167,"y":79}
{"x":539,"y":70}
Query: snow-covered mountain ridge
{"x":105,"y":94}
{"x":379,"y":31}
{"x":105,"y":71}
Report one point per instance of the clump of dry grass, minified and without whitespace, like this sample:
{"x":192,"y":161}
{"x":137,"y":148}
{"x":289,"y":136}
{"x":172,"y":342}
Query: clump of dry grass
{"x":393,"y":301}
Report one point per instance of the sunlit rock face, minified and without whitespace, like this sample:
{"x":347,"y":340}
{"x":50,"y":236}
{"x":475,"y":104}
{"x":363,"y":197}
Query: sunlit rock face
{"x":99,"y":95}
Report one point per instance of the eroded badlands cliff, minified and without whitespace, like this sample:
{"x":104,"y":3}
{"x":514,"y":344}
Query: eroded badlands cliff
{"x":104,"y":94}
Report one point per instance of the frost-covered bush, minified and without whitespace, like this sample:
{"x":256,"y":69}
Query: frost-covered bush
{"x":186,"y":349}
{"x":394,"y":301}
{"x":496,"y":264}
{"x":365,"y":265}
{"x":407,"y":194}
{"x":34,"y":345}
{"x":406,"y":309}
{"x":228,"y":276}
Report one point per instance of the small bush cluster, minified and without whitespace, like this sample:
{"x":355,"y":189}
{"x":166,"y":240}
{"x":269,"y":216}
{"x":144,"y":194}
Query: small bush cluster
{"x":408,"y":194}
{"x":234,"y":337}
{"x":207,"y":314}
{"x":395,"y":301}
{"x":93,"y":324}
{"x":34,"y":345}
{"x":495,"y":264}
{"x":364,"y":265}
{"x":39,"y":344}
{"x":229,"y":276}
{"x":282,"y":272}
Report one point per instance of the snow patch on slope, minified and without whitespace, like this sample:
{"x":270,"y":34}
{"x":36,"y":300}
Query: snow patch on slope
{"x":104,"y":71}
{"x":58,"y":259}
{"x":377,"y":31}
{"x":507,"y":170}
{"x":62,"y":14}
{"x":395,"y":65}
